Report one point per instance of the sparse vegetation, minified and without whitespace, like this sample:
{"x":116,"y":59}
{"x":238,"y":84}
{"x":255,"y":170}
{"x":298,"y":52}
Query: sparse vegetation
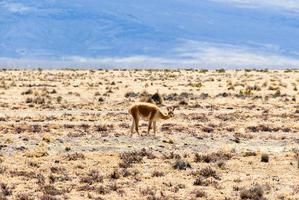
{"x":65,"y":134}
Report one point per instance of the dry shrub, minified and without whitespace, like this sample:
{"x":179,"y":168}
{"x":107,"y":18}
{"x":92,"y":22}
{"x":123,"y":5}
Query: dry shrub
{"x":75,"y":156}
{"x":2,"y":169}
{"x":213,"y":157}
{"x":150,"y":193}
{"x":208,"y":129}
{"x":199,"y":193}
{"x":4,"y":191}
{"x":86,"y":188}
{"x":254,"y":193}
{"x":29,"y":91}
{"x":131,"y":94}
{"x":171,"y":155}
{"x":157,"y":174}
{"x":30,"y":175}
{"x":35,"y":128}
{"x":115,"y":174}
{"x":51,"y":190}
{"x":249,"y":153}
{"x":266,"y":128}
{"x":24,"y":196}
{"x":265,"y":158}
{"x":181,"y":165}
{"x":101,"y":190}
{"x":48,"y":197}
{"x":208,"y":172}
{"x":63,"y":177}
{"x":40,"y":179}
{"x":101,"y":128}
{"x":156,"y":98}
{"x":129,"y":158}
{"x":37,"y":153}
{"x":200,"y":181}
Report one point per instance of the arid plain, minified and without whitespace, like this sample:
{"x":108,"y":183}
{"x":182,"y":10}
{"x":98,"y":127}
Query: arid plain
{"x":65,"y":134}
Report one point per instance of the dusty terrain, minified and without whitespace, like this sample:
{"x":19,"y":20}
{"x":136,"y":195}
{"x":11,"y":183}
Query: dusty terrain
{"x":65,"y":134}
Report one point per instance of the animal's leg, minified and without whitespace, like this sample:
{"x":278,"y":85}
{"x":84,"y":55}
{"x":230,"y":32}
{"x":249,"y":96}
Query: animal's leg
{"x":135,"y":116}
{"x":136,"y":124}
{"x":132,"y":127}
{"x":149,"y":125}
{"x":151,"y":120}
{"x":155,"y":127}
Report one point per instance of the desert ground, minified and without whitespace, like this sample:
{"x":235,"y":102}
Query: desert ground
{"x":65,"y":134}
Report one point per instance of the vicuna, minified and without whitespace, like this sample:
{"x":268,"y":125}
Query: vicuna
{"x":148,"y":112}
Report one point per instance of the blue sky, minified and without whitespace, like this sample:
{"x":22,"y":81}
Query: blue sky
{"x":156,"y":33}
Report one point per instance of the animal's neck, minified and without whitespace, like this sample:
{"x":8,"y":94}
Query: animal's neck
{"x":163,"y":116}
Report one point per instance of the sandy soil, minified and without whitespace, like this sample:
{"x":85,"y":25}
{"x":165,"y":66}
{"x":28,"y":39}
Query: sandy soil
{"x":65,"y":134}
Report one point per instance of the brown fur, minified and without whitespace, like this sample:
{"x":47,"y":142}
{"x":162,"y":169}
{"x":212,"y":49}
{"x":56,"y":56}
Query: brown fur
{"x":147,"y":111}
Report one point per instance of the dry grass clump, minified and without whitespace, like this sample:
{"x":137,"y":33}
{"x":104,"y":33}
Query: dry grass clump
{"x":201,"y":181}
{"x":151,"y":193}
{"x":30,"y":175}
{"x":51,"y":190}
{"x":277,"y":94}
{"x":224,"y":94}
{"x":157,"y":174}
{"x":101,"y":128}
{"x":36,"y":152}
{"x":145,"y":97}
{"x":36,"y":100}
{"x":267,"y":128}
{"x":181,"y":165}
{"x":131,"y":94}
{"x":86,"y":187}
{"x":129,"y":158}
{"x":265,"y":158}
{"x":254,"y":193}
{"x":171,"y":155}
{"x":115,"y":174}
{"x":27,"y":92}
{"x":24,"y":196}
{"x":199,"y":193}
{"x":2,"y":169}
{"x":75,"y":156}
{"x":249,"y":153}
{"x":59,"y":99}
{"x":4,"y":191}
{"x":213,"y":157}
{"x":208,"y":129}
{"x":196,"y":85}
{"x":148,"y":191}
{"x":246,"y":92}
{"x":254,"y":88}
{"x":220,"y":70}
{"x":156,"y":98}
{"x":208,"y":172}
{"x":92,"y":177}
{"x":62,"y":176}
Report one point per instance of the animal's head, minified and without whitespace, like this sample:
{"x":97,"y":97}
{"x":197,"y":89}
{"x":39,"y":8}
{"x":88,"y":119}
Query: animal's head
{"x":170,"y":111}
